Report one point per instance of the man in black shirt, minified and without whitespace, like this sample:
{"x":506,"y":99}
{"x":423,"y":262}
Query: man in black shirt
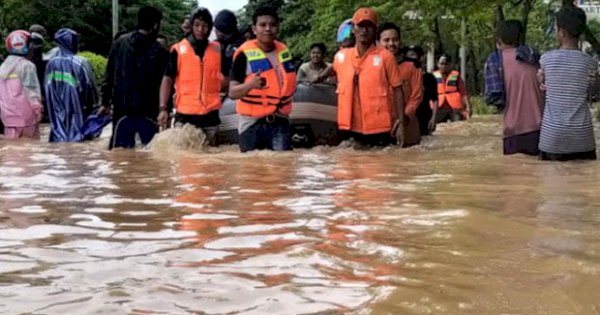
{"x":230,"y":39}
{"x":134,"y":71}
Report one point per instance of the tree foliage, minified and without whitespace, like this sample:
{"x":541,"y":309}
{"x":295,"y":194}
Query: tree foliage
{"x":422,"y":21}
{"x":91,"y":18}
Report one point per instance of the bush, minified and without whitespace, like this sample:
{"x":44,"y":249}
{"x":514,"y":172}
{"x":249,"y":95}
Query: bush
{"x":98,"y":64}
{"x":481,"y":108}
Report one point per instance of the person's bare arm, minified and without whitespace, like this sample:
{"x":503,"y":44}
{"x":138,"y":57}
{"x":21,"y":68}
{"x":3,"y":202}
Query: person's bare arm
{"x":165,"y":92}
{"x":433,"y":121}
{"x":398,"y":116}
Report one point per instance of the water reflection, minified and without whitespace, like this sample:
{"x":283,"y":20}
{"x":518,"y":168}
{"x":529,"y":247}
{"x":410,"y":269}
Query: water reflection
{"x":447,"y":227}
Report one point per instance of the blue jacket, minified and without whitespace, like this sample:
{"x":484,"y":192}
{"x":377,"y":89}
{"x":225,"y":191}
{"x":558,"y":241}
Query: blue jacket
{"x":70,"y":89}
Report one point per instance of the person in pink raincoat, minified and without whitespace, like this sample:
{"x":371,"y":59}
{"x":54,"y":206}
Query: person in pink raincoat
{"x":20,"y":92}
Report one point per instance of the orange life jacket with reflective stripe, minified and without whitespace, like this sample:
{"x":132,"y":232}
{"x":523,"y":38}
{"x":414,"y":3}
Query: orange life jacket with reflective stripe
{"x":368,"y":79}
{"x":277,"y":96}
{"x":198,"y":81}
{"x":448,"y":91}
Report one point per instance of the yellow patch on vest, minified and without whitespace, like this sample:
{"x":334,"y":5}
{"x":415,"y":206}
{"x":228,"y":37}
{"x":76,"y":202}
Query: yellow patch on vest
{"x":254,"y":54}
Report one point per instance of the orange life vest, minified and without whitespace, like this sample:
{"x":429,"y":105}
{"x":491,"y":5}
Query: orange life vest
{"x":367,"y":78}
{"x":277,"y":96}
{"x":198,"y":81}
{"x":448,"y":91}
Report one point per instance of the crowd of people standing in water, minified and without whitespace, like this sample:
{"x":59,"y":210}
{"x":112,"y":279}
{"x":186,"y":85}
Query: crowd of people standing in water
{"x":384,"y":96}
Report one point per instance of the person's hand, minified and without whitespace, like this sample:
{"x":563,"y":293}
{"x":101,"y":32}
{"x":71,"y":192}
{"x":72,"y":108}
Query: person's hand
{"x":38,"y":112}
{"x":397,"y":132}
{"x":163,"y":118}
{"x":431,"y":125}
{"x":258,"y":82}
{"x":541,"y":77}
{"x":103,"y":110}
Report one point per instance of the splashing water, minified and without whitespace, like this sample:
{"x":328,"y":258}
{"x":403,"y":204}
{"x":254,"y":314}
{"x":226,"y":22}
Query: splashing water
{"x":186,"y":138}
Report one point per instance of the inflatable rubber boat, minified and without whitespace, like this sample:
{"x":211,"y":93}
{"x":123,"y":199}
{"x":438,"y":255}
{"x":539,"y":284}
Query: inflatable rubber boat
{"x":313,"y":118}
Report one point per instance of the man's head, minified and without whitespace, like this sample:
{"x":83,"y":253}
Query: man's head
{"x":225,"y":25}
{"x":445,"y":64}
{"x":265,"y":25}
{"x":509,"y":34}
{"x":365,"y":25}
{"x":202,"y":24}
{"x":162,"y":40}
{"x":415,"y":53}
{"x":248,"y":34}
{"x":389,"y":37}
{"x":317,"y":53}
{"x":149,"y":19}
{"x":570,"y":24}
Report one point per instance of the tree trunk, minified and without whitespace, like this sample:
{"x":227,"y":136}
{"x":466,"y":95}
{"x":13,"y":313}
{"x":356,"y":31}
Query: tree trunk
{"x":438,"y":35}
{"x":499,"y":14}
{"x":527,"y":7}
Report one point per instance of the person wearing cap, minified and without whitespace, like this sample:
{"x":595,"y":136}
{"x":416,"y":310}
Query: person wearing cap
{"x":70,"y":89}
{"x":453,"y":100}
{"x":20,"y":93}
{"x":263,"y":81}
{"x":230,"y":39}
{"x":412,"y":81}
{"x":195,"y":70}
{"x":370,"y":96}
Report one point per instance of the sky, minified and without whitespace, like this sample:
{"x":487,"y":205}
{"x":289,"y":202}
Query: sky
{"x":214,"y":6}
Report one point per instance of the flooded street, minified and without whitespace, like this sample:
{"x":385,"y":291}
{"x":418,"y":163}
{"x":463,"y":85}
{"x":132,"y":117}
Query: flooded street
{"x":449,"y":227}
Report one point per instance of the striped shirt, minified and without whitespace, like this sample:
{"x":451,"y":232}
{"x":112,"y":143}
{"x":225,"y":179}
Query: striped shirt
{"x":567,"y":120}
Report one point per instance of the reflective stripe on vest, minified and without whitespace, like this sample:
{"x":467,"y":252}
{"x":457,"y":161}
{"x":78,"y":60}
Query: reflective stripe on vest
{"x":364,"y":80}
{"x":448,"y":91}
{"x":198,"y":81}
{"x":278,"y":94}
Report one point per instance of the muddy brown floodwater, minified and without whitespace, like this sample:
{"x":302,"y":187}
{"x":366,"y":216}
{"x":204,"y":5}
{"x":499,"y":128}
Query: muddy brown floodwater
{"x":449,"y":227}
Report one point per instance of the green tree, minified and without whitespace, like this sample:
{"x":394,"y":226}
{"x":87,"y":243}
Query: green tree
{"x":89,"y":17}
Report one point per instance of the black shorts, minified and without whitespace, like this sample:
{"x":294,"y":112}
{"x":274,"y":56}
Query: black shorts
{"x":590,"y":155}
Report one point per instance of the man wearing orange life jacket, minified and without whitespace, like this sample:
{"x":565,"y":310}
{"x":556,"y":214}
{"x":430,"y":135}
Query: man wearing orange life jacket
{"x":453,"y":101}
{"x":195,"y":68}
{"x":412,"y":82}
{"x":263,"y":81}
{"x":367,"y":75}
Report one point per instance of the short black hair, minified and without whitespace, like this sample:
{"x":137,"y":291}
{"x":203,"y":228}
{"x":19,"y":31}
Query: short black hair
{"x":387,"y":26}
{"x":417,"y":49}
{"x":147,"y":17}
{"x":265,"y":11}
{"x":572,"y":20}
{"x":321,"y":47}
{"x":510,"y":32}
{"x":204,"y":15}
